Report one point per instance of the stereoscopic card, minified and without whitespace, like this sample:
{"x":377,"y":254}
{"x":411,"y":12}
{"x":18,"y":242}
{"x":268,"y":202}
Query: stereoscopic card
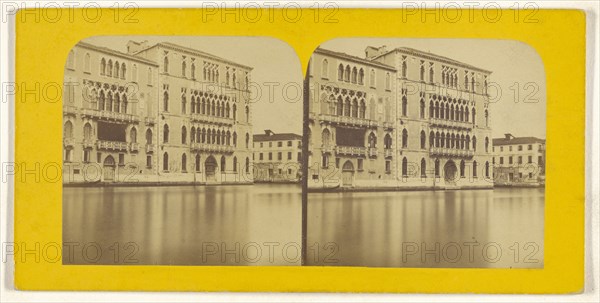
{"x":193,"y":150}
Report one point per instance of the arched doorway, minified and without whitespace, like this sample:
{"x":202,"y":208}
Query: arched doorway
{"x":347,"y":173}
{"x":450,"y":172}
{"x":210,"y":167}
{"x":109,"y":168}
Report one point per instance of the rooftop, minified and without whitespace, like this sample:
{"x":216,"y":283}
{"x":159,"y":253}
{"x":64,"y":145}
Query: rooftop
{"x":354,"y":58}
{"x":115,"y":53}
{"x":271,"y":136}
{"x":433,"y":56}
{"x":192,"y":51}
{"x":511,"y":140}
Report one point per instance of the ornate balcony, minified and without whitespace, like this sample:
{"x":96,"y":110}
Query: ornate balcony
{"x":150,"y":120}
{"x":212,"y":148}
{"x":88,"y":143}
{"x":149,"y":148}
{"x":388,"y":125}
{"x":111,"y":145}
{"x":69,"y":110}
{"x":351,"y":150}
{"x":68,"y":141}
{"x":372,"y":152}
{"x":451,"y":152}
{"x":451,"y":123}
{"x":348,"y":121}
{"x":388,"y":152}
{"x":212,"y":119}
{"x":134,"y":147}
{"x":327,"y":148}
{"x":109,"y":116}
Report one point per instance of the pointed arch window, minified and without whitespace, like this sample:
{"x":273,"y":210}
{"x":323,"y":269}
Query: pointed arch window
{"x":117,"y":68}
{"x":149,"y":136}
{"x":87,"y":132}
{"x":325,"y":69}
{"x":165,"y":133}
{"x":102,"y":67}
{"x":166,"y":162}
{"x":388,"y":81}
{"x":361,"y":77}
{"x":109,"y":68}
{"x":166,"y":64}
{"x":87,"y":63}
{"x":71,"y":60}
{"x":166,"y":101}
{"x":183,"y":135}
{"x":123,"y":71}
{"x":347,"y":74}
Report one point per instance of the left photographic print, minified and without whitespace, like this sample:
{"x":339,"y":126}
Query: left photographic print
{"x":182,"y":150}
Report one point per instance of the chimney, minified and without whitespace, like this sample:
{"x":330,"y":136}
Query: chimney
{"x":268,"y":132}
{"x":508,"y":136}
{"x":134,"y":47}
{"x":372,"y":52}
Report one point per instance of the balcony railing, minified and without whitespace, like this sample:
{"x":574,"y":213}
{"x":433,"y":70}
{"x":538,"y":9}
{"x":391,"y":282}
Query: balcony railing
{"x":110,"y":116}
{"x":111,"y":145}
{"x":68,"y":141}
{"x":212,"y":119}
{"x":352,"y":121}
{"x":149,"y":148}
{"x":388,"y":124}
{"x":451,"y":123}
{"x":150,"y":120}
{"x":134,"y":147}
{"x":351,"y":150}
{"x":451,"y":152}
{"x":88,"y":143}
{"x":372,"y":152}
{"x":388,"y":152}
{"x":212,"y":148}
{"x":326,"y":148}
{"x":68,"y":109}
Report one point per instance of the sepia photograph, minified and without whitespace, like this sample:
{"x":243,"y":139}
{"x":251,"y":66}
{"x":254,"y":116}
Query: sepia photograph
{"x":182,"y":151}
{"x":426,"y":153}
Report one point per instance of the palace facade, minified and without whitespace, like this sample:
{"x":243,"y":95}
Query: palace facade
{"x":434,"y":133}
{"x":352,"y":122}
{"x":277,"y":157}
{"x":519,"y":161}
{"x":158,"y":113}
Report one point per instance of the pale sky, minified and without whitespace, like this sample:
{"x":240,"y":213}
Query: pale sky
{"x":509,"y":61}
{"x":275,"y":65}
{"x":276,"y":62}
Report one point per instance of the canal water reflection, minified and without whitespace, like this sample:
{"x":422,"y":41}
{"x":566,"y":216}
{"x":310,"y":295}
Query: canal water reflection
{"x":261,"y":225}
{"x":183,"y":225}
{"x":498,"y":228}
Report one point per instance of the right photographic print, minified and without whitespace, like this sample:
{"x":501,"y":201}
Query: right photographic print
{"x":425,"y":153}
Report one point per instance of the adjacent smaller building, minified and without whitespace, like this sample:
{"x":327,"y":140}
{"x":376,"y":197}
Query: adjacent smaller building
{"x":519,"y":161}
{"x":277,"y":157}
